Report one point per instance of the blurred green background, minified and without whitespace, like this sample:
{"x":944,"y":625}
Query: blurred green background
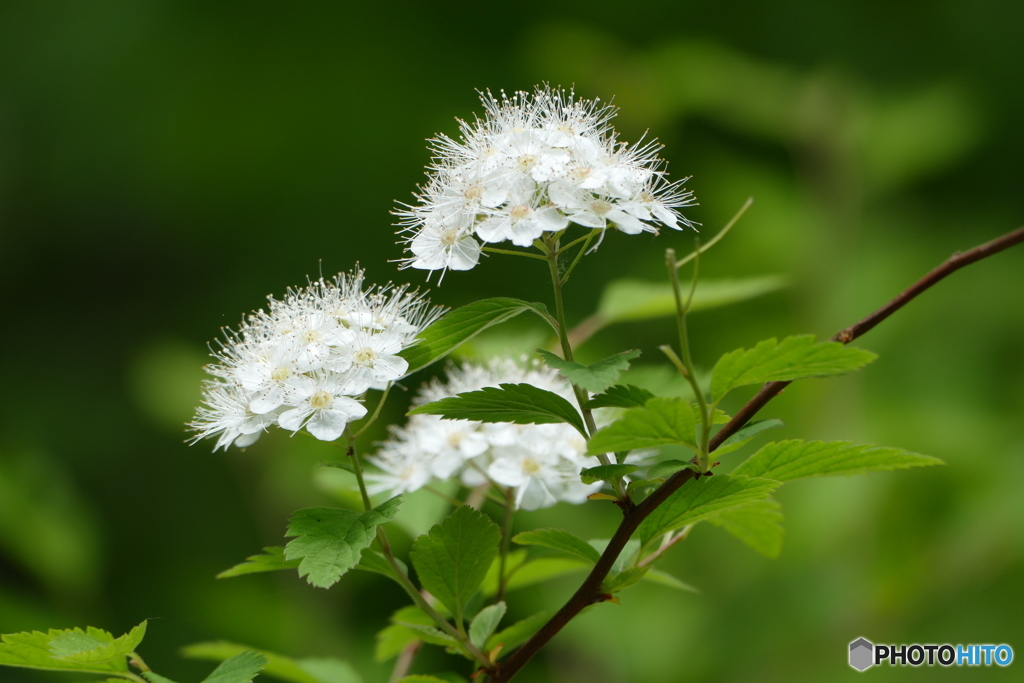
{"x":164,"y":166}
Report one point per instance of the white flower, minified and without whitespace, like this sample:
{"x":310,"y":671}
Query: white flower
{"x":305,"y":360}
{"x":541,"y":464}
{"x":533,"y":164}
{"x":227,"y":416}
{"x":321,"y":405}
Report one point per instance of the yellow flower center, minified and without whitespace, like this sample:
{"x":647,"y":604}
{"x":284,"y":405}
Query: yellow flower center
{"x":600,"y":207}
{"x":280,"y":374}
{"x":526,"y":162}
{"x":310,"y":336}
{"x":520,"y":212}
{"x":320,"y":400}
{"x":531,"y":466}
{"x":364,"y":355}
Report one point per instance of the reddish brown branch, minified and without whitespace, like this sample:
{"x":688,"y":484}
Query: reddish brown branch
{"x":589,"y":592}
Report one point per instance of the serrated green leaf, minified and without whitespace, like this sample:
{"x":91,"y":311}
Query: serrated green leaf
{"x":93,"y":646}
{"x":91,"y":650}
{"x":621,"y":396}
{"x":329,"y":541}
{"x":593,"y":475}
{"x":666,"y":579}
{"x":796,"y":459}
{"x":758,"y":524}
{"x":742,"y":436}
{"x":485,"y":622}
{"x":628,"y":299}
{"x":453,"y":558}
{"x":271,"y":560}
{"x":596,"y":377}
{"x":614,"y":583}
{"x":241,"y":668}
{"x":519,"y":632}
{"x":516,"y":403}
{"x":669,"y":467}
{"x":792,"y":358}
{"x":559,"y":539}
{"x":662,"y":421}
{"x":461,"y":325}
{"x":702,"y":498}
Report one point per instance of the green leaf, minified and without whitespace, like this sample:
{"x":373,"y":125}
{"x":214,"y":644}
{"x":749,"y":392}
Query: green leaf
{"x":485,"y":622}
{"x":453,"y":558}
{"x":330,"y":670}
{"x":396,"y":637}
{"x":517,"y":403}
{"x":621,"y":396}
{"x":623,"y":580}
{"x":461,"y":325}
{"x":662,"y":421}
{"x":432,"y":635}
{"x":758,"y":524}
{"x":148,"y":675}
{"x":638,"y":300}
{"x":592,"y":475}
{"x":392,"y":640}
{"x":796,"y":459}
{"x":545,"y":569}
{"x":593,"y":378}
{"x":422,"y":678}
{"x":271,"y":560}
{"x":241,"y":668}
{"x":329,"y":541}
{"x":91,"y":650}
{"x":513,"y":561}
{"x":559,"y":539}
{"x":519,"y":632}
{"x":792,"y":358}
{"x":702,"y":498}
{"x":747,"y":433}
{"x":669,"y":467}
{"x":666,"y":579}
{"x":94,"y":646}
{"x":309,"y":670}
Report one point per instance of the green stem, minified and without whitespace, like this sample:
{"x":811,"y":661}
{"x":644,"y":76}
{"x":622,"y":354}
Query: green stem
{"x":687,"y":360}
{"x":579,"y":254}
{"x":376,"y":412}
{"x":506,"y":542}
{"x":510,"y":252}
{"x":714,"y":240}
{"x":582,"y":396}
{"x":399,"y":575}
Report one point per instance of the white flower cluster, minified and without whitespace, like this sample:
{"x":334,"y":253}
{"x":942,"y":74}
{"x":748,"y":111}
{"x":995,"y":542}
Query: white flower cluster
{"x":306,"y":360}
{"x":542,"y":463}
{"x":534,"y":164}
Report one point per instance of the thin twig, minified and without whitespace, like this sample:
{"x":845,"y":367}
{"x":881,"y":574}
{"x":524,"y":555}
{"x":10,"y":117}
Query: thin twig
{"x":714,"y":240}
{"x":588,"y":593}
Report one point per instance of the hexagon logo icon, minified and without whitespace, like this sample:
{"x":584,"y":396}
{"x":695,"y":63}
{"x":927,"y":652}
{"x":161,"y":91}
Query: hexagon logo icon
{"x":862,"y":654}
